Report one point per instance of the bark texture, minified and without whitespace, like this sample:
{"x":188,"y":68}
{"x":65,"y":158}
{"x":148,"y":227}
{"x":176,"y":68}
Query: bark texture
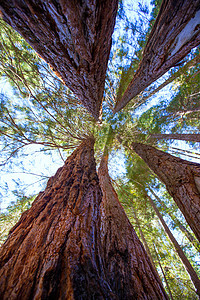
{"x":175,"y":32}
{"x":185,"y":261}
{"x":66,"y":246}
{"x":74,"y":37}
{"x":54,"y":251}
{"x":176,"y":136}
{"x":131,"y":274}
{"x":182,"y":180}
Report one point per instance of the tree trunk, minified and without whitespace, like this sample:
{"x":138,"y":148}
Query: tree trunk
{"x":176,"y":136}
{"x":185,"y":261}
{"x":54,"y":251}
{"x":146,"y":247}
{"x":129,"y":269}
{"x":137,"y":222}
{"x":74,"y":37}
{"x":175,"y":32}
{"x":182,"y":180}
{"x":184,"y":230}
{"x":66,"y":245}
{"x":183,"y":70}
{"x":186,"y":112}
{"x":164,"y":276}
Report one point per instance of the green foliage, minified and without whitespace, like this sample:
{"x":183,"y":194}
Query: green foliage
{"x":132,"y":197}
{"x":9,"y":218}
{"x":40,"y":110}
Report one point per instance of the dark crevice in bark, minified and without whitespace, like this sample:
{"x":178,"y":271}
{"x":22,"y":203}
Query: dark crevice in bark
{"x":76,"y":251}
{"x":58,"y":251}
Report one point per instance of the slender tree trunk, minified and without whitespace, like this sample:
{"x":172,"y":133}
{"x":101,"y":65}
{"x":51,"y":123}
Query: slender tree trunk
{"x":182,"y":180}
{"x":74,"y":37}
{"x":164,"y":276}
{"x":137,"y":222}
{"x":173,"y":35}
{"x":193,"y":62}
{"x":128,"y":267}
{"x":54,"y":251}
{"x":143,"y":237}
{"x":186,"y":112}
{"x":176,"y":136}
{"x":185,"y":261}
{"x":190,"y":237}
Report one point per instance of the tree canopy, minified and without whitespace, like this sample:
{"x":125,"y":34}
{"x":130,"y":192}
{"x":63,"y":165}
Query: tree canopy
{"x":54,"y":111}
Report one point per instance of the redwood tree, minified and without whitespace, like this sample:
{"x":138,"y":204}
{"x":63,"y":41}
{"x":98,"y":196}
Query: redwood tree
{"x":76,"y":241}
{"x":128,"y":267}
{"x":54,"y":251}
{"x":74,"y":244}
{"x":172,"y":37}
{"x":182,"y":180}
{"x":187,"y":264}
{"x":74,"y":37}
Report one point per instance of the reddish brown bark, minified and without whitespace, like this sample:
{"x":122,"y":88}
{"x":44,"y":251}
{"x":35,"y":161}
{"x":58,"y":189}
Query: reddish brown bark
{"x":182,"y":180}
{"x":66,"y":245}
{"x":125,"y":258}
{"x":54,"y":251}
{"x":172,"y":37}
{"x":74,"y":37}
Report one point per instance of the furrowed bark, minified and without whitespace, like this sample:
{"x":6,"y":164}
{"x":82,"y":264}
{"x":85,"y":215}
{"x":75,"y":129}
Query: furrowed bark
{"x":74,"y":37}
{"x":175,"y":32}
{"x":182,"y":180}
{"x":185,"y":261}
{"x":125,"y":258}
{"x":176,"y":136}
{"x":54,"y":251}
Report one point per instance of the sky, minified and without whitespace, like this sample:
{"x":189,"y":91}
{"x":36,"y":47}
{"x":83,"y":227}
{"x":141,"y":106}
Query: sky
{"x":40,"y":164}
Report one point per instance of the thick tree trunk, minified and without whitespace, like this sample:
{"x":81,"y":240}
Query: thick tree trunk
{"x":185,"y":261}
{"x":176,"y":136}
{"x":54,"y":251}
{"x":184,"y":230}
{"x":129,"y":269}
{"x":175,"y":32}
{"x":182,"y":180}
{"x":66,"y":246}
{"x":74,"y":37}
